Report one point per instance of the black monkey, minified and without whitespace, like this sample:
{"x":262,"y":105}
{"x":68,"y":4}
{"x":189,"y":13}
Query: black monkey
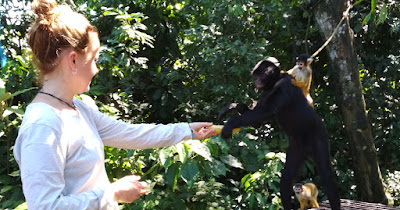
{"x":305,"y":129}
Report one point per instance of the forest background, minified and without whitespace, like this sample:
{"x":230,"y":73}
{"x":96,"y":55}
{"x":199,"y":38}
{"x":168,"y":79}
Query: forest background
{"x":181,"y":61}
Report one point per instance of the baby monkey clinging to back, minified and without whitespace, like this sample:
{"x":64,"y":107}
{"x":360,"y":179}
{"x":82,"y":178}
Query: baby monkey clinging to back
{"x":306,"y":193}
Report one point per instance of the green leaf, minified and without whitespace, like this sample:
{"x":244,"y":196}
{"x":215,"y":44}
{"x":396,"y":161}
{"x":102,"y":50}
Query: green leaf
{"x":2,"y":87}
{"x":270,"y":155}
{"x":109,"y":13}
{"x":382,"y":15}
{"x":373,"y":5}
{"x":15,"y":110}
{"x":357,"y":2}
{"x":255,"y":176}
{"x":15,"y":173}
{"x":218,"y":168}
{"x":366,"y":19}
{"x":373,"y":10}
{"x":189,"y":171}
{"x":245,"y":182}
{"x":200,"y":149}
{"x":232,"y":161}
{"x":23,"y":91}
{"x":5,"y":96}
{"x":164,"y":155}
{"x":244,"y":179}
{"x":22,"y":206}
{"x":5,"y":189}
{"x":252,"y":201}
{"x":171,"y":176}
{"x":182,"y":152}
{"x":157,"y":94}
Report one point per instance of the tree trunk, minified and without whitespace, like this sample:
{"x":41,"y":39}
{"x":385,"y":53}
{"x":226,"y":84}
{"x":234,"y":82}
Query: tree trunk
{"x":350,"y":100}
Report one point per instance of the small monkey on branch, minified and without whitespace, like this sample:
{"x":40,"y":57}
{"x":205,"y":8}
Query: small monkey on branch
{"x":302,"y":74}
{"x":302,"y":80}
{"x":307,"y":195}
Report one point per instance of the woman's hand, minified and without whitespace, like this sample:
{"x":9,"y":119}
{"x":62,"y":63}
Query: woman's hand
{"x":128,"y":189}
{"x":200,"y":131}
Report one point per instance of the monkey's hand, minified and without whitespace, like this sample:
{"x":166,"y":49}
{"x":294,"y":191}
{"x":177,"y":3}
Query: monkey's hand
{"x":230,"y":126}
{"x":226,"y":133}
{"x":218,"y":129}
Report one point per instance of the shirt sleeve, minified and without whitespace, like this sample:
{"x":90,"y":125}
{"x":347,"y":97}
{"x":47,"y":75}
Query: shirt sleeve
{"x":41,"y":156}
{"x":116,"y":133}
{"x":140,"y":136}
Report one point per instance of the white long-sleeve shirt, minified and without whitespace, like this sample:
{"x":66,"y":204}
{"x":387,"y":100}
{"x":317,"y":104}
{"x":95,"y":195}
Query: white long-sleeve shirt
{"x":61,"y":155}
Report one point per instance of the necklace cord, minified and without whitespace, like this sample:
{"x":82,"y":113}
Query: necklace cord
{"x":68,"y":104}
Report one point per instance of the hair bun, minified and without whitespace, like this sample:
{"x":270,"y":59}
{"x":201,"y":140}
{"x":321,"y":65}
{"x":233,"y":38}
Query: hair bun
{"x":43,"y":7}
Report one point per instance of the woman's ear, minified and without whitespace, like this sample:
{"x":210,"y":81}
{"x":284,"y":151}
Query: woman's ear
{"x":72,"y":57}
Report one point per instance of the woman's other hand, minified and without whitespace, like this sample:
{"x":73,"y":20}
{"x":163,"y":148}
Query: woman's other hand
{"x":129,"y":189}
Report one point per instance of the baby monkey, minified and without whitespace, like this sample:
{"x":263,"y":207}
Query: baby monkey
{"x":306,"y":193}
{"x":302,"y":74}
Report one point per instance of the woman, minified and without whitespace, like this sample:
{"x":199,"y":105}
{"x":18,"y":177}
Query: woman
{"x":60,"y":145}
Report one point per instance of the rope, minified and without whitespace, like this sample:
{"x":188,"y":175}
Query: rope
{"x":345,"y":15}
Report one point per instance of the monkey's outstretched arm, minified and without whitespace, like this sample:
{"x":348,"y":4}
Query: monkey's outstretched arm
{"x":241,"y":108}
{"x":268,"y":105}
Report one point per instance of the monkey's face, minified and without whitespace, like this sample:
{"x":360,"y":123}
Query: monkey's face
{"x":265,"y":74}
{"x":300,"y":65}
{"x":298,"y":188}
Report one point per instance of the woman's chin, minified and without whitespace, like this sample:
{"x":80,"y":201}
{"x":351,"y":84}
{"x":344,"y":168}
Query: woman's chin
{"x":87,"y":88}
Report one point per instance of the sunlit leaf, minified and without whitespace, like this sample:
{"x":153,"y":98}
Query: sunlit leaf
{"x":22,"y":206}
{"x":5,"y":96}
{"x":182,"y":152}
{"x":164,"y":155}
{"x":10,"y":110}
{"x":200,"y":149}
{"x":15,"y":173}
{"x":110,"y":13}
{"x":232,"y":161}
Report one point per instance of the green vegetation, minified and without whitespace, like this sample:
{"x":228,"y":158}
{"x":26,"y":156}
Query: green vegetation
{"x":178,"y":61}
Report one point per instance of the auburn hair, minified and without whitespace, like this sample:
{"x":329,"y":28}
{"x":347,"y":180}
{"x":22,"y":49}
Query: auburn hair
{"x":55,"y":28}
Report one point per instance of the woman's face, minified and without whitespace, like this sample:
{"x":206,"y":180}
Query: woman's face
{"x":86,"y":63}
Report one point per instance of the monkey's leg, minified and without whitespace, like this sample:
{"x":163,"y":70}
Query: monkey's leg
{"x":303,"y":204}
{"x":322,"y":160}
{"x":314,"y":203}
{"x":294,"y":160}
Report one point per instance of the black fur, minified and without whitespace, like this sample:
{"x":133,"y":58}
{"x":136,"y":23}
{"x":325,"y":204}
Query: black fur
{"x":305,"y":129}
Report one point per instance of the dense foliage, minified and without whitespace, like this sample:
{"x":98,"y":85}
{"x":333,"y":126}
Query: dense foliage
{"x":178,"y":61}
